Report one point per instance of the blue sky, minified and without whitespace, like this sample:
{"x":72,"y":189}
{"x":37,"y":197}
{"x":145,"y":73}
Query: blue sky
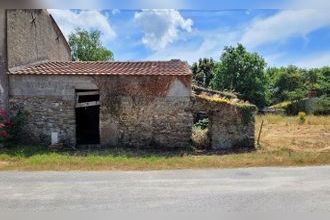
{"x":282,"y":37}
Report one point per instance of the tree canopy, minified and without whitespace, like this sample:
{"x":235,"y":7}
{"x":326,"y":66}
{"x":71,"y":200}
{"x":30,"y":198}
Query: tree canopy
{"x":245,"y":73}
{"x":242,"y":72}
{"x":203,"y":72}
{"x":292,"y":83}
{"x":87,"y":46}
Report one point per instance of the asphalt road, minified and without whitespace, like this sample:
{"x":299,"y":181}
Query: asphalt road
{"x":251,"y":189}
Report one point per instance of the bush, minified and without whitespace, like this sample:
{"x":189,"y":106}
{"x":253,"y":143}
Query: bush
{"x":302,"y":117}
{"x":322,"y":106}
{"x":202,"y":124}
{"x":11,"y":127}
{"x":18,"y":122}
{"x":4,"y":127}
{"x":295,"y":107}
{"x":200,"y":138}
{"x":316,"y":106}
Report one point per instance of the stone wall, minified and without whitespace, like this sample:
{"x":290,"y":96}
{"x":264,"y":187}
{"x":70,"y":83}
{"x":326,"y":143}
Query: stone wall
{"x":49,"y":102}
{"x":46,"y":114}
{"x":228,"y":130}
{"x":33,"y":36}
{"x":146,"y":111}
{"x":132,"y":114}
{"x":135,"y":121}
{"x":3,"y":62}
{"x":231,"y":126}
{"x":135,"y":111}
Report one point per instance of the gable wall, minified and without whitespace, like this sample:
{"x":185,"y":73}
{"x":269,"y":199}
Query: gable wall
{"x":24,"y":42}
{"x":34,"y":41}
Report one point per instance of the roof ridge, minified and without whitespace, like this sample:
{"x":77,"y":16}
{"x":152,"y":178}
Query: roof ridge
{"x":161,"y":68}
{"x":119,"y":61}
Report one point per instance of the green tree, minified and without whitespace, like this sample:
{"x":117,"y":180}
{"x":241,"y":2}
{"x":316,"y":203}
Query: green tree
{"x":292,"y":83}
{"x":242,"y":72}
{"x":87,"y":46}
{"x":288,"y":83}
{"x":203,"y":72}
{"x":322,"y":85}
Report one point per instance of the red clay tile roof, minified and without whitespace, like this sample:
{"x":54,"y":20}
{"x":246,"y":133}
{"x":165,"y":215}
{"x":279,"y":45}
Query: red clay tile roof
{"x":145,"y":68}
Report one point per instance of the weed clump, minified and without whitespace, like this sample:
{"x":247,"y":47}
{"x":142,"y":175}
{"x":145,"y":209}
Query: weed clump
{"x":302,"y":117}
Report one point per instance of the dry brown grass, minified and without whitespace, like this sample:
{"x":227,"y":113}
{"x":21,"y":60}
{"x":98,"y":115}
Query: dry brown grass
{"x":282,"y":132}
{"x":200,"y":137}
{"x":3,"y":164}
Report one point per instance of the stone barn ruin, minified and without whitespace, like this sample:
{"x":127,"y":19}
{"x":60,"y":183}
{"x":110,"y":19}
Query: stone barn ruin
{"x":139,"y":104}
{"x":107,"y":103}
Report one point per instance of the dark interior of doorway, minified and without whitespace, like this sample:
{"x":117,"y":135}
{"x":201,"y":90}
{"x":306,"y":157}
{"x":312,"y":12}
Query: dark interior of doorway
{"x":87,"y":117}
{"x":87,"y":121}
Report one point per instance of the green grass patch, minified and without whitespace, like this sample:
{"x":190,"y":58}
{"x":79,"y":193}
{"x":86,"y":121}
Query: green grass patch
{"x":23,"y":159}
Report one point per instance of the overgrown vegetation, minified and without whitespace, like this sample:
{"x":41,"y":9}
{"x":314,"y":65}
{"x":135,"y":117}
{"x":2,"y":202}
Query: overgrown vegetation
{"x":315,"y":106}
{"x":11,"y":127}
{"x":4,"y":127}
{"x":200,"y":138}
{"x":246,"y":74}
{"x":246,"y":108}
{"x":202,"y":124}
{"x":302,"y":117}
{"x":322,"y":106}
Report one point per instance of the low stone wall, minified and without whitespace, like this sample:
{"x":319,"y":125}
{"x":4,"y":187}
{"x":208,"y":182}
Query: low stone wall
{"x":229,"y":131}
{"x":231,"y":126}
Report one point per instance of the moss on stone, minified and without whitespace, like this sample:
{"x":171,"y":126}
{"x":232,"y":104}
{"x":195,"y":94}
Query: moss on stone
{"x":246,"y":109}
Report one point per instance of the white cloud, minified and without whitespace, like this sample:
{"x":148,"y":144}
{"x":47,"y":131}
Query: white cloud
{"x":211,"y":46}
{"x":284,"y":25}
{"x":115,"y":11}
{"x":161,"y":27}
{"x":69,"y":20}
{"x":315,"y":60}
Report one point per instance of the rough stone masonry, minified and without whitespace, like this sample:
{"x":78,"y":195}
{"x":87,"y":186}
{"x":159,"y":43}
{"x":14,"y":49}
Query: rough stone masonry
{"x":135,"y":110}
{"x":140,"y":103}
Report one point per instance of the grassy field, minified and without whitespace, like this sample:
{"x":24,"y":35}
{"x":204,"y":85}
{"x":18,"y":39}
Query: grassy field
{"x":284,"y":142}
{"x":281,"y":132}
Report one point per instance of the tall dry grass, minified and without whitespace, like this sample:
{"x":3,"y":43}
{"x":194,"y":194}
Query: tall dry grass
{"x":283,"y":132}
{"x":200,"y":138}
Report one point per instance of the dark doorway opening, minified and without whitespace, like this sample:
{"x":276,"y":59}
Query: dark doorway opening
{"x":87,"y":117}
{"x":88,"y":123}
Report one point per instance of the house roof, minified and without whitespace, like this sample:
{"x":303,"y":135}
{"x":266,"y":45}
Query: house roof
{"x":143,"y":68}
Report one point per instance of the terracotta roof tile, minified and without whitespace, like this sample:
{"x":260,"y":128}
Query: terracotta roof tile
{"x":166,"y":68}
